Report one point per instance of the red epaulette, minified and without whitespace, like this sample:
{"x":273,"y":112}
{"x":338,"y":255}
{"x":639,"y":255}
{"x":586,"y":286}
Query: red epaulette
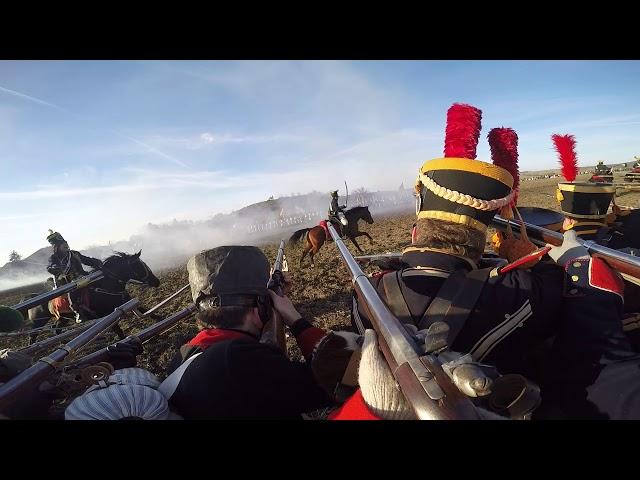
{"x":592,"y":272}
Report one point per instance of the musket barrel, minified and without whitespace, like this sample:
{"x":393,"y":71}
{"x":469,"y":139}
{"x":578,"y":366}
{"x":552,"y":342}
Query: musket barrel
{"x":143,"y":336}
{"x":273,"y":332}
{"x":63,"y":336}
{"x":165,"y":301}
{"x":69,"y":287}
{"x":622,"y":262}
{"x":41,"y":345}
{"x":10,"y":391}
{"x":417,"y":381}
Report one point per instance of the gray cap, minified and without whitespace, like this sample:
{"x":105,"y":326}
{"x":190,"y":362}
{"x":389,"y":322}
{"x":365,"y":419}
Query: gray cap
{"x":228,"y":270}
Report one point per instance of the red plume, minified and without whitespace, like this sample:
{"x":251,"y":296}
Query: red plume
{"x":463,"y":131}
{"x":566,"y":148}
{"x":504,"y":151}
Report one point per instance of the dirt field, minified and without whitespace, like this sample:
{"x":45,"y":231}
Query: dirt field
{"x":321,"y":294}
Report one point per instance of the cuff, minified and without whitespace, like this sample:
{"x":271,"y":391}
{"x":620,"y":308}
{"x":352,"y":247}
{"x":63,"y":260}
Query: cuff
{"x":591,"y":273}
{"x":307,"y":336}
{"x":354,"y":409}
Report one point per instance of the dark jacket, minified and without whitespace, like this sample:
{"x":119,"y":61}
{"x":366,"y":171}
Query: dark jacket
{"x":68,"y":267}
{"x":513,"y":311}
{"x":335,"y":206}
{"x":237,"y":377}
{"x":593,"y":373}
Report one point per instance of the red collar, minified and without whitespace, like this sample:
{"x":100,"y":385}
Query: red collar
{"x":210,"y":336}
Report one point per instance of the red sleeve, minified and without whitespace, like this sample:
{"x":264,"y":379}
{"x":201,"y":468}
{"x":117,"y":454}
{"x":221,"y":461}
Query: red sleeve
{"x":308,"y":339}
{"x":354,"y":409}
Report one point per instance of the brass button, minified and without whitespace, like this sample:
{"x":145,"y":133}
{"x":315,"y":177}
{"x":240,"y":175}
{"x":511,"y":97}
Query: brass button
{"x":575,"y":278}
{"x":577,"y":264}
{"x":573,"y":291}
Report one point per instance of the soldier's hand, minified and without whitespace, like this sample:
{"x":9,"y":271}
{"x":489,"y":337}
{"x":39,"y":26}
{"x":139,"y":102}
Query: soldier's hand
{"x":123,"y":354}
{"x":285,"y":308}
{"x":570,"y":249}
{"x":379,"y":389}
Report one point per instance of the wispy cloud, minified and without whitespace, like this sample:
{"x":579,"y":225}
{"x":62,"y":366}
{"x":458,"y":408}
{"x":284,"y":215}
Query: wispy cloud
{"x":32,"y":99}
{"x":210,"y":139}
{"x":81,"y":117}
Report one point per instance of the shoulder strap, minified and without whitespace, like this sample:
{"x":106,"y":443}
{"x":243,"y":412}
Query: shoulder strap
{"x":169,"y":385}
{"x":455,"y":301}
{"x":393,"y":291}
{"x":440,"y":305}
{"x":394,"y":297}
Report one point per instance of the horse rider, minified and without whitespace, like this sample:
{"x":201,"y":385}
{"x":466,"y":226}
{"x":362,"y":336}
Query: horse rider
{"x":337,"y":211}
{"x":66,"y":265}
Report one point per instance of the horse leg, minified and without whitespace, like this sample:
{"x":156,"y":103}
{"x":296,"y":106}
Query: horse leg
{"x":304,"y":254}
{"x":118,"y":331}
{"x":37,"y":323}
{"x":368,"y":236}
{"x":353,"y":240}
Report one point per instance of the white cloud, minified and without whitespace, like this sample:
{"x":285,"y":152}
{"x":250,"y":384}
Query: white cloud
{"x":207,"y":137}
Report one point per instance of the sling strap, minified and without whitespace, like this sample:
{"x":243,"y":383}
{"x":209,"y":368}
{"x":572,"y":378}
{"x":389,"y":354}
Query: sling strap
{"x":452,"y":305}
{"x":455,"y":301}
{"x":170,"y":384}
{"x":394,"y":297}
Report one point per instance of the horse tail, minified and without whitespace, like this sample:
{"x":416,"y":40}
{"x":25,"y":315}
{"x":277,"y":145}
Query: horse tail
{"x":297,"y":236}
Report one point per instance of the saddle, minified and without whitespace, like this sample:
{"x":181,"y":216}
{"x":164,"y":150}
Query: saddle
{"x":61,"y":304}
{"x":335,"y":223}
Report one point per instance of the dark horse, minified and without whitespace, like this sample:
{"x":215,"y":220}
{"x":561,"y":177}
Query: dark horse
{"x":103,"y":295}
{"x":316,"y":236}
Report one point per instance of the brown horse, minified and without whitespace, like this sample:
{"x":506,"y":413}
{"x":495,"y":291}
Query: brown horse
{"x":315,"y":237}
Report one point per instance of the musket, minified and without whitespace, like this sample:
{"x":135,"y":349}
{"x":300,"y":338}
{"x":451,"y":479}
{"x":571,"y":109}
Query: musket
{"x":39,"y":371}
{"x":69,"y":287}
{"x":29,"y":350}
{"x":627,"y":265}
{"x":428,"y":389}
{"x":163,"y":302}
{"x":273,"y":332}
{"x":143,"y":336}
{"x":380,"y":258}
{"x":57,"y":339}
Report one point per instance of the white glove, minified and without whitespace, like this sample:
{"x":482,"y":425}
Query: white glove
{"x":570,"y":249}
{"x":379,"y":389}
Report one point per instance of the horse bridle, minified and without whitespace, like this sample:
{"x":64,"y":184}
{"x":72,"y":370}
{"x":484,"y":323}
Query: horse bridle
{"x":147,"y":273}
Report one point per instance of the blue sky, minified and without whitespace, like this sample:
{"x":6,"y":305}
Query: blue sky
{"x":96,"y":149}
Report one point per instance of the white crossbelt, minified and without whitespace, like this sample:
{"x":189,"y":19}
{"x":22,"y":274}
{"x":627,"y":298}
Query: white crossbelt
{"x":169,"y":385}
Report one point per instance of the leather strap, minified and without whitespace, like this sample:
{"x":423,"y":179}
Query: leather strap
{"x":455,"y":301}
{"x":394,"y":297}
